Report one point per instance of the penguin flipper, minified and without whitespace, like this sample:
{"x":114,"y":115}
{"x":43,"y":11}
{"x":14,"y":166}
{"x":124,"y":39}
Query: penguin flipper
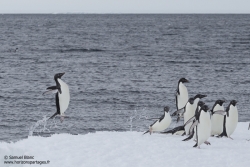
{"x":177,"y":112}
{"x":190,"y":137}
{"x":192,"y":126}
{"x":190,"y":120}
{"x":179,"y":128}
{"x":51,"y":89}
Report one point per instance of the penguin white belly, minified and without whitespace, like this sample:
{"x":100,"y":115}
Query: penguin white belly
{"x":232,"y":120}
{"x":204,"y":128}
{"x":183,"y":97}
{"x":189,"y":113}
{"x":217,"y":121}
{"x":64,"y":97}
{"x":164,"y":124}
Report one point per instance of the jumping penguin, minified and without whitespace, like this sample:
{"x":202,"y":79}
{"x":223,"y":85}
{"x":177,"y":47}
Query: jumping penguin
{"x":161,"y":123}
{"x":181,"y":96}
{"x":62,"y":96}
{"x":230,"y":120}
{"x":217,"y":120}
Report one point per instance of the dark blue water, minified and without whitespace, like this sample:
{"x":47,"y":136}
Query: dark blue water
{"x":120,"y":68}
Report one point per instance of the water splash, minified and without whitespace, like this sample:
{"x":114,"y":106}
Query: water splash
{"x":136,"y":116}
{"x":40,"y":126}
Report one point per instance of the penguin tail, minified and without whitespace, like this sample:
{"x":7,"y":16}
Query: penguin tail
{"x":195,"y":145}
{"x":145,"y":132}
{"x":53,"y":116}
{"x":222,"y":134}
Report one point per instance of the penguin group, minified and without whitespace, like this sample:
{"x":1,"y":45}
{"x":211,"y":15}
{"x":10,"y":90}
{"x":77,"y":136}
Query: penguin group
{"x":199,"y":121}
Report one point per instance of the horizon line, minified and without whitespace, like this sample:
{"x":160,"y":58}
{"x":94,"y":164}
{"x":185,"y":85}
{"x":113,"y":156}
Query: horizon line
{"x":117,"y":13}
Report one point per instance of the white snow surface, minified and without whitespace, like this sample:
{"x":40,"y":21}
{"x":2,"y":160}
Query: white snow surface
{"x":131,"y":149}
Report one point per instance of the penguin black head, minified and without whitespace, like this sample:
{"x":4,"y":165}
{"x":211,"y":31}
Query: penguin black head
{"x":220,"y":102}
{"x":58,"y":75}
{"x":200,"y":96}
{"x":201,"y":103}
{"x":166,"y":109}
{"x":233,"y":102}
{"x":205,"y":108}
{"x":191,"y":100}
{"x":183,"y":80}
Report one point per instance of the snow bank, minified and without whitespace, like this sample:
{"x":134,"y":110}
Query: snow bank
{"x":131,"y":149}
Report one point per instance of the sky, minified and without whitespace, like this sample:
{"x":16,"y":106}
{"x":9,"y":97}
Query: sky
{"x":124,"y":6}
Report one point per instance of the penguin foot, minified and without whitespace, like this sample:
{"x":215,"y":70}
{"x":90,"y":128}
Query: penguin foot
{"x":198,"y":147}
{"x":62,"y":118}
{"x":150,"y":130}
{"x":207,"y":143}
{"x":230,"y":138}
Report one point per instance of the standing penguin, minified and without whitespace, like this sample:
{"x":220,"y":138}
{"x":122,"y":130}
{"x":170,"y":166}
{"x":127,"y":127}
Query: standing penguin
{"x":203,"y":128}
{"x":194,"y":120}
{"x":181,"y":96}
{"x":62,"y":95}
{"x":190,"y":111}
{"x":230,"y":120}
{"x":161,"y":123}
{"x":217,"y":120}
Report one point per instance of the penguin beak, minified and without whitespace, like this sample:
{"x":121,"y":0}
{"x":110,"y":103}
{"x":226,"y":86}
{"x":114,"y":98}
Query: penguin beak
{"x":202,"y":96}
{"x":187,"y":81}
{"x":61,"y":74}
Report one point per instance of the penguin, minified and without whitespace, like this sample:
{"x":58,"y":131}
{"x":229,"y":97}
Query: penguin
{"x":180,"y":130}
{"x":217,"y":120}
{"x":230,"y":120}
{"x":194,"y":119}
{"x":181,"y":96}
{"x":62,"y":96}
{"x":190,"y":111}
{"x":203,"y":127}
{"x":161,"y":123}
